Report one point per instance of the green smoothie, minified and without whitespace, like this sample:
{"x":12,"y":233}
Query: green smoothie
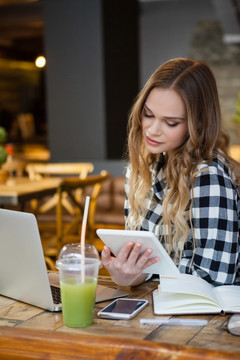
{"x":78,"y":300}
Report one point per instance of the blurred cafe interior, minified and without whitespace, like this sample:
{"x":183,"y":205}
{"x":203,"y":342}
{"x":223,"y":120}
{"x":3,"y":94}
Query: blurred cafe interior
{"x":73,"y":109}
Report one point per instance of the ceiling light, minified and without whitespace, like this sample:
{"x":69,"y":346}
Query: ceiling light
{"x":40,"y":61}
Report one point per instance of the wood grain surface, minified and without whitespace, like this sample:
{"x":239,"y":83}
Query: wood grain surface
{"x":27,"y":332}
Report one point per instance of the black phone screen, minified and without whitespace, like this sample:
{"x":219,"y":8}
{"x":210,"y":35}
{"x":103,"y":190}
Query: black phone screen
{"x":124,"y":306}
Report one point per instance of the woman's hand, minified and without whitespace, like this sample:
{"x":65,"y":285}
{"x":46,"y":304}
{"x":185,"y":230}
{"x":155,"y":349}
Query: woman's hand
{"x":127,"y":267}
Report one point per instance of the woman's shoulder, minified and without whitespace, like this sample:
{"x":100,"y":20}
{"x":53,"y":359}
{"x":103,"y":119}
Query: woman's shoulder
{"x":218,"y":166}
{"x":215,"y":173}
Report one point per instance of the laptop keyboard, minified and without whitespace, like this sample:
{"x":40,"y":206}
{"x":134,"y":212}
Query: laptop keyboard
{"x":56,"y":294}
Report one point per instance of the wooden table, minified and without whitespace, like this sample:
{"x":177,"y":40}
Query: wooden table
{"x":18,"y":190}
{"x":27,"y":332}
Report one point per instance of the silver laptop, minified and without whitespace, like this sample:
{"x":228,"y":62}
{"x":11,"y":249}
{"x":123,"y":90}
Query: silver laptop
{"x":23,"y":271}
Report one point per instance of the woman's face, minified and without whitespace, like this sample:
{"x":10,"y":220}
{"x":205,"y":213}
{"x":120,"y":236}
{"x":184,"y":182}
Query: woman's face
{"x":164,"y":121}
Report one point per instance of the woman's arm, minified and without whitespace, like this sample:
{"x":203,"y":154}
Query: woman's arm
{"x":127,"y":268}
{"x":215,"y":215}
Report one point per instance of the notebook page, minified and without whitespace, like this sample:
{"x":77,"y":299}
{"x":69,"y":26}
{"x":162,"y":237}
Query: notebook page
{"x":169,"y":303}
{"x":230,"y":297}
{"x":189,"y":284}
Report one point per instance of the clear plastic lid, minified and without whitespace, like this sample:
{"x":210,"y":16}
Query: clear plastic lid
{"x":72,"y":254}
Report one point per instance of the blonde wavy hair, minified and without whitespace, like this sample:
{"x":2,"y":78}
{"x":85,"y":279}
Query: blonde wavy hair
{"x":196,"y":85}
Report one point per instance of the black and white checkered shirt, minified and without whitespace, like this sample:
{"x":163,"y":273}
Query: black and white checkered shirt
{"x":216,"y":223}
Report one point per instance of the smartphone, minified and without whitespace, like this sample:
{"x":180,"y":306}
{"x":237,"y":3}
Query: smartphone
{"x":122,"y":309}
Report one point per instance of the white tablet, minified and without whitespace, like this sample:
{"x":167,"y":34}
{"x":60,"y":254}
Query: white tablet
{"x":115,"y":239}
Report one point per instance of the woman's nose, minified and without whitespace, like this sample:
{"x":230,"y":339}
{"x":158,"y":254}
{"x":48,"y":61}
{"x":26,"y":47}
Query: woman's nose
{"x":155,"y":128}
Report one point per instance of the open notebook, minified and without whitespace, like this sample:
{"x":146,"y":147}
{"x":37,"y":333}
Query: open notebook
{"x":23,"y":272}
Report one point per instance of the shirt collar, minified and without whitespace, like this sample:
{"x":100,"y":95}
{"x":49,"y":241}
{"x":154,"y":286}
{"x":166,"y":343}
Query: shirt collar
{"x":158,"y":179}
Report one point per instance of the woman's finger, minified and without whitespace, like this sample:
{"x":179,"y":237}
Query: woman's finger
{"x":135,"y":253}
{"x":106,"y":255}
{"x":124,"y":252}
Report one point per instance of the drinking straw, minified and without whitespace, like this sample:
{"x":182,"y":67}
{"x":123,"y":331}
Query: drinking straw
{"x":83,"y":232}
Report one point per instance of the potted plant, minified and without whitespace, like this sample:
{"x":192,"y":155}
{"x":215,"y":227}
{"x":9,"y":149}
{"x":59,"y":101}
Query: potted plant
{"x":3,"y":155}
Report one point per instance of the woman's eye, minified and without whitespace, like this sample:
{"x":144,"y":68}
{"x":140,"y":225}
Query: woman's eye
{"x":172,"y":124}
{"x":147,"y":114}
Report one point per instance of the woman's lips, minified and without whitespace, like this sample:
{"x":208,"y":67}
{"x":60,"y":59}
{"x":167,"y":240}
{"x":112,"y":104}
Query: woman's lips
{"x":152,"y":142}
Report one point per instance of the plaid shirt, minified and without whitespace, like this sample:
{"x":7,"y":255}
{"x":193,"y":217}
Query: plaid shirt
{"x":215,"y":219}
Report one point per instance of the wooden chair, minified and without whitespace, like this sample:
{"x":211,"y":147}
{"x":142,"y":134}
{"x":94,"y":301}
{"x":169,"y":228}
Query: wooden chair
{"x":15,"y":167}
{"x":37,"y":171}
{"x":69,"y":185}
{"x":108,"y":211}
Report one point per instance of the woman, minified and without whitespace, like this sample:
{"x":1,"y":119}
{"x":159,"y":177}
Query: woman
{"x":180,"y":180}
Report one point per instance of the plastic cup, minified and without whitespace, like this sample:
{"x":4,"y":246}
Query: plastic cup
{"x":78,"y":293}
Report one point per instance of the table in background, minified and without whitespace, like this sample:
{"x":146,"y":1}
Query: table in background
{"x":32,"y":333}
{"x":17,"y":190}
